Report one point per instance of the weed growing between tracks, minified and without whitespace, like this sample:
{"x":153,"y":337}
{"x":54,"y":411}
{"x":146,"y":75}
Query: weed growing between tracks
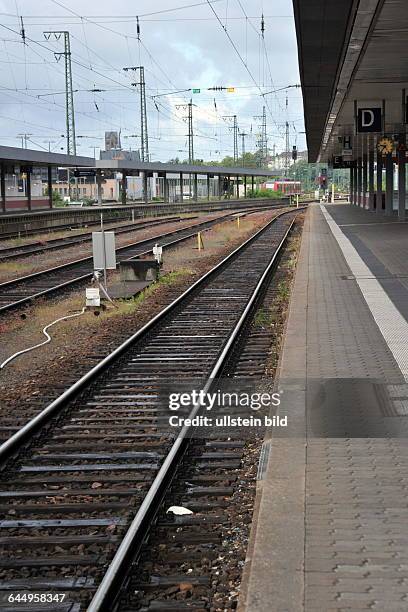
{"x":169,"y":279}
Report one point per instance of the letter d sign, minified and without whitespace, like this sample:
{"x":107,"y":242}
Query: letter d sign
{"x":369,"y":120}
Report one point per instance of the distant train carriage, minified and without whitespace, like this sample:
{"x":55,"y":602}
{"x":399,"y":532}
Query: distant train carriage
{"x":287,"y":187}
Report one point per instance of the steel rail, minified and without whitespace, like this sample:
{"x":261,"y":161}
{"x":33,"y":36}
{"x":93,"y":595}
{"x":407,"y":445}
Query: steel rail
{"x":109,"y":588}
{"x":12,"y":444}
{"x":17,"y":252}
{"x":80,"y":278}
{"x":142,"y":211}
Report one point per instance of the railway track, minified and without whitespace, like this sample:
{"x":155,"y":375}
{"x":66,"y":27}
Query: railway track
{"x":34,"y":248}
{"x":151,"y":210}
{"x":24,"y":232}
{"x":195,"y":562}
{"x":81,"y":483}
{"x":26,"y":289}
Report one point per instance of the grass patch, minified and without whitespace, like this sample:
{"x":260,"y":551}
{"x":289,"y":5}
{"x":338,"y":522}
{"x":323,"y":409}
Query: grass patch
{"x":265,"y":317}
{"x":134,"y":304}
{"x":283,"y":291}
{"x":13,"y":268}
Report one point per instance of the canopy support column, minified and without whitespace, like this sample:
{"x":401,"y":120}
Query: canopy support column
{"x":402,"y":190}
{"x":3,"y":186}
{"x":379,"y":183}
{"x":389,"y":184}
{"x":371,"y":180}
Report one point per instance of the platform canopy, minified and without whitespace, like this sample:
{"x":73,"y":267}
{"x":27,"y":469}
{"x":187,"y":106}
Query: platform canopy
{"x":15,"y":155}
{"x":353,"y":58}
{"x":134,"y":167}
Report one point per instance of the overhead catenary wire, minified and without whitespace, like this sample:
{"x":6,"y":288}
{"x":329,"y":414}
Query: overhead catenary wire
{"x":125,"y":36}
{"x":90,"y":61}
{"x":241,"y":58}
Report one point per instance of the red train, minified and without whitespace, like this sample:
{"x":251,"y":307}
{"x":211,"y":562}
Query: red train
{"x":287,"y":187}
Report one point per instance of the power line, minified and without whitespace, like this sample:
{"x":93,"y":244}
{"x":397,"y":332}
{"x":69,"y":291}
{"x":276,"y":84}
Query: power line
{"x":239,"y":55}
{"x":126,"y":36}
{"x":169,"y":10}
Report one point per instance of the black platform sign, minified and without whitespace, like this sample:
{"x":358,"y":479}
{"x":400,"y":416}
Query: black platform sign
{"x":84,"y":173}
{"x":369,"y":120}
{"x":340,"y":163}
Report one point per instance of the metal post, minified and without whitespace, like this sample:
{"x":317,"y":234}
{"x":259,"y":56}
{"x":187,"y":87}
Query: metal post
{"x":3,"y":186}
{"x":145,"y":188}
{"x":195,"y":188}
{"x":190,"y":134}
{"x":243,"y":135}
{"x":237,"y":183}
{"x":181,"y":187}
{"x":144,"y":136}
{"x":371,"y":180}
{"x":355,"y":183}
{"x":252,"y":183}
{"x":235,"y":129}
{"x":49,"y":184}
{"x":123,"y":195}
{"x":359,"y":181}
{"x":364,"y":194}
{"x":143,"y":117}
{"x":99,"y":186}
{"x":352,"y":185}
{"x":28,"y":188}
{"x":402,"y":191}
{"x":379,"y":183}
{"x":245,"y":186}
{"x":287,"y":146}
{"x":166,"y":188}
{"x":208,"y":187}
{"x":389,"y":183}
{"x":104,"y":251}
{"x":69,"y":95}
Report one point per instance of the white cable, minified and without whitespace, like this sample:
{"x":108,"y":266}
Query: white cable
{"x":44,"y":331}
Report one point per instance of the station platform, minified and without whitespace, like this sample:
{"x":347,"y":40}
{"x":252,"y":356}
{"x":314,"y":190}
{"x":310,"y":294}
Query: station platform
{"x":330,"y":525}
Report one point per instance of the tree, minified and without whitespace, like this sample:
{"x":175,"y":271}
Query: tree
{"x":57,"y":199}
{"x":308,"y":173}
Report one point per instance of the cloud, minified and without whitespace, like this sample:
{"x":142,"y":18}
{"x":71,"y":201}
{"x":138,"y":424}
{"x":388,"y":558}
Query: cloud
{"x":180,"y":50}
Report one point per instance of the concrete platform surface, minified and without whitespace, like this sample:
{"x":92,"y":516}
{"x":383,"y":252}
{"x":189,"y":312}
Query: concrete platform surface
{"x":330,"y":530}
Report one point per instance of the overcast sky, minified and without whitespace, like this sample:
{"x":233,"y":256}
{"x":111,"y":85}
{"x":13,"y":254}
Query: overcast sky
{"x":182,"y":46}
